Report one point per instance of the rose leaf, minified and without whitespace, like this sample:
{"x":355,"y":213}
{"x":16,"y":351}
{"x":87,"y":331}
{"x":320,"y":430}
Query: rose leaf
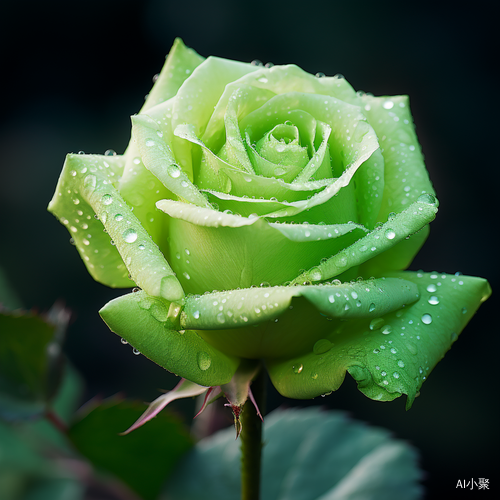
{"x":357,"y":461}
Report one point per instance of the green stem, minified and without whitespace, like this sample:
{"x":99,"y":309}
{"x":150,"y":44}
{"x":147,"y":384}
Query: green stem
{"x":251,"y":440}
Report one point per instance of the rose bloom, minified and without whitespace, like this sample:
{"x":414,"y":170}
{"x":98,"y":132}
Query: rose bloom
{"x":267,"y":215}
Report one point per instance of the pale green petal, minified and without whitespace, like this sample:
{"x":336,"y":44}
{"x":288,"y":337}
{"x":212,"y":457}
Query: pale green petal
{"x":235,"y":149}
{"x":139,"y":187}
{"x":181,"y":62}
{"x":149,"y":325}
{"x":393,"y":354}
{"x":214,"y":171}
{"x":319,"y":166}
{"x":211,"y":250}
{"x":351,"y":142}
{"x":381,"y":239}
{"x":197,"y":97}
{"x":90,"y":182}
{"x":228,"y":320}
{"x":261,"y":85}
{"x":405,"y":175}
{"x":158,"y":159}
{"x":68,"y":204}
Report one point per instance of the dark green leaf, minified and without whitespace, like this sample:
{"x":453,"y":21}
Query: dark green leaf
{"x":308,"y":455}
{"x":142,"y":459}
{"x":29,"y":364}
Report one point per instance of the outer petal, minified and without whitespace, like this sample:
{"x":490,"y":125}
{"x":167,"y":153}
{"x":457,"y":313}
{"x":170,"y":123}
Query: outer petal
{"x":227,"y":320}
{"x":89,"y":179}
{"x":215,"y":250}
{"x":393,"y":354}
{"x":150,"y":324}
{"x":159,"y":160}
{"x":381,"y":239}
{"x":405,"y":175}
{"x":180,"y":64}
{"x":139,"y":187}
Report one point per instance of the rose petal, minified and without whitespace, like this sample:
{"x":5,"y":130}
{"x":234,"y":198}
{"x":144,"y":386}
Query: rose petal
{"x":149,"y":324}
{"x":391,"y":355}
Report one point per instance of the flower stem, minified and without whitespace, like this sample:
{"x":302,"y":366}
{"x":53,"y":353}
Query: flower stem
{"x":251,"y":440}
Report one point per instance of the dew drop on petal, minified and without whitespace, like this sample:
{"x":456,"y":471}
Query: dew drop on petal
{"x":390,"y":234}
{"x":129,"y":235}
{"x":204,"y":361}
{"x":426,"y":319}
{"x":107,"y":199}
{"x":298,"y":368}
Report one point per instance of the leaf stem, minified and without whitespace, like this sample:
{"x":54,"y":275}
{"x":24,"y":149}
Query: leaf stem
{"x":251,"y":440}
{"x":56,"y":421}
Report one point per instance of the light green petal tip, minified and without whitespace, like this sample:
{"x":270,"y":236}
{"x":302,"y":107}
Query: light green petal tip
{"x":381,"y":239}
{"x":151,"y":325}
{"x":393,"y":353}
{"x":181,"y":62}
{"x":124,"y":248}
{"x":228,"y":320}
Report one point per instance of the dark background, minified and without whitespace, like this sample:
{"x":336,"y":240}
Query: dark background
{"x":73,"y":73}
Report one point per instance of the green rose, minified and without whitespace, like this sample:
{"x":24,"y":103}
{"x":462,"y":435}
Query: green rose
{"x":267,"y":214}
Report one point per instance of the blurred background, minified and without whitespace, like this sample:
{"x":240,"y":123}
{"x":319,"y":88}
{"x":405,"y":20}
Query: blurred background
{"x":74,"y":72}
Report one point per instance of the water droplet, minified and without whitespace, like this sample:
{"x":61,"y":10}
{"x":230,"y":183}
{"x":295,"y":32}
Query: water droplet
{"x":107,"y":199}
{"x":204,"y":361}
{"x":298,"y":368}
{"x":150,"y":143}
{"x":372,"y":307}
{"x":428,"y":199}
{"x":123,"y":341}
{"x":221,"y":318}
{"x":322,"y":346}
{"x":390,"y":234}
{"x":401,"y":363}
{"x":432,"y":288}
{"x":256,"y":62}
{"x":196,"y":314}
{"x":129,"y":235}
{"x":395,"y":375}
{"x":388,"y":105}
{"x":110,"y":152}
{"x":453,"y":336}
{"x":315,"y":274}
{"x":320,"y":74}
{"x":464,"y":310}
{"x":186,"y":275}
{"x":433,"y":300}
{"x":174,"y":171}
{"x":387,"y":329}
{"x":426,"y":319}
{"x":376,"y":323}
{"x":136,"y":351}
